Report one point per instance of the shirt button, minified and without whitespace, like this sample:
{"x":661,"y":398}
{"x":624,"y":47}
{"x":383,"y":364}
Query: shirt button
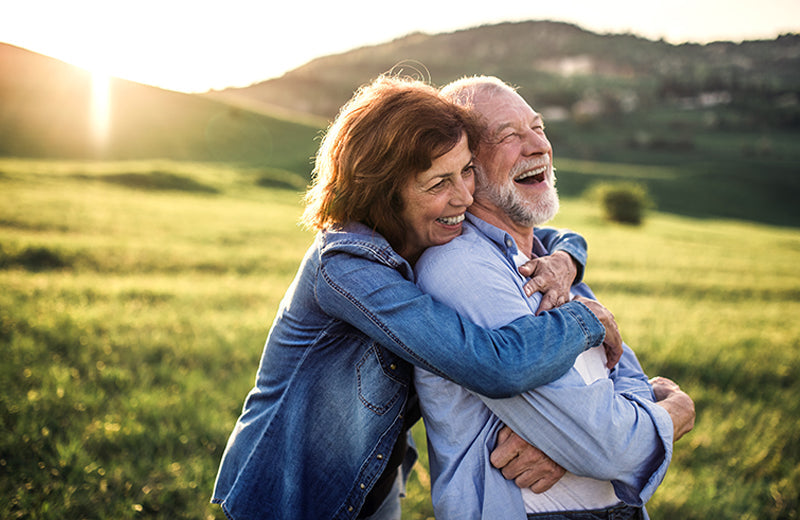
{"x":350,"y":509}
{"x":363,"y":486}
{"x":380,"y":456}
{"x":509,"y":243}
{"x":393,"y":366}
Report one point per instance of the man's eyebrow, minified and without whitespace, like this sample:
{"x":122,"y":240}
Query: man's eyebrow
{"x":500,"y":128}
{"x":537,"y":120}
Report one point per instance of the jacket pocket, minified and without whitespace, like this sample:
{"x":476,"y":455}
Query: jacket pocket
{"x":382,"y":379}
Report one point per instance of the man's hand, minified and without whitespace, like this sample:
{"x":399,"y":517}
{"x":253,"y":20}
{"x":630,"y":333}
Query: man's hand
{"x":526,"y":465}
{"x":552,"y":276}
{"x":677,"y":402}
{"x":613,"y":340}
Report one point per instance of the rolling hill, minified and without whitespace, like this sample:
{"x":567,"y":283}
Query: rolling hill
{"x":711,"y":130}
{"x":46,"y":112}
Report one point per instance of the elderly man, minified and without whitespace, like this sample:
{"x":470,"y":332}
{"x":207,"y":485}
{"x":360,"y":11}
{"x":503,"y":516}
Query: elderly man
{"x":611,"y":429}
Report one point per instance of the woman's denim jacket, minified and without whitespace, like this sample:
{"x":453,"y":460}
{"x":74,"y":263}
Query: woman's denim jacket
{"x":335,"y":376}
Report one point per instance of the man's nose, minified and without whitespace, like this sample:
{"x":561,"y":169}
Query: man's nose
{"x":536,"y":143}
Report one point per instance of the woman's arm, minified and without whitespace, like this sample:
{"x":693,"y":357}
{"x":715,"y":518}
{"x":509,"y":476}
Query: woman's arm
{"x":526,"y":353}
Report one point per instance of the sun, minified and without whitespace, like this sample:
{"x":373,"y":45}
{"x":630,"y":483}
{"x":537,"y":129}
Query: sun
{"x":100,"y":107}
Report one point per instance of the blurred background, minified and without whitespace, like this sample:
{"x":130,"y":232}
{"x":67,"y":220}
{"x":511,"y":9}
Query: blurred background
{"x":153,"y":157}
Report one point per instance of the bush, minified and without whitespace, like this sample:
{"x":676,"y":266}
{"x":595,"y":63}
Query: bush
{"x":623,"y":202}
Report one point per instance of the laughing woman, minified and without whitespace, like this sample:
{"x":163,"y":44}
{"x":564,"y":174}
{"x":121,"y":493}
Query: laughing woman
{"x":323,"y":434}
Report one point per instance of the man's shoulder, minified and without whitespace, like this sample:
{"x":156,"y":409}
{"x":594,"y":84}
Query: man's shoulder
{"x":471,"y":243}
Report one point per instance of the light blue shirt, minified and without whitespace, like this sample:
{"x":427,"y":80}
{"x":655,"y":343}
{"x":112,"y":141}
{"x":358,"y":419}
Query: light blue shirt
{"x":608,"y":430}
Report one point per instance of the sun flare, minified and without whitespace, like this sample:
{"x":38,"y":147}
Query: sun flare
{"x":100,"y":116}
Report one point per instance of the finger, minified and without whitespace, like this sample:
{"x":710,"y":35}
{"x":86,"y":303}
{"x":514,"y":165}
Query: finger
{"x":545,"y":483}
{"x":507,"y":449}
{"x":529,"y":267}
{"x":613,"y":346}
{"x":613,"y":354}
{"x":549,"y":301}
{"x":533,"y":286}
{"x":527,"y":479}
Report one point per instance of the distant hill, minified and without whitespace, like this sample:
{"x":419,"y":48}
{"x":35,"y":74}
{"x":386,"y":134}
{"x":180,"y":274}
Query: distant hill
{"x":564,"y":67}
{"x":46,"y":107}
{"x":711,"y":130}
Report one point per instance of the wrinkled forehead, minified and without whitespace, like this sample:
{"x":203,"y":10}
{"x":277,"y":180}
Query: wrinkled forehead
{"x":503,"y":108}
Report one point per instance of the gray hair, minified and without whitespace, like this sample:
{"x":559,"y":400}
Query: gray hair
{"x":463,"y":91}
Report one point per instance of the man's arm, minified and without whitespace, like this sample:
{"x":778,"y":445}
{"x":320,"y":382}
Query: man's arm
{"x":593,"y":431}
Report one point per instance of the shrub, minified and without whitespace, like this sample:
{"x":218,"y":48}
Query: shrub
{"x":623,"y":202}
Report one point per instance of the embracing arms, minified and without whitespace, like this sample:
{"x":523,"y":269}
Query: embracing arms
{"x":380,"y":301}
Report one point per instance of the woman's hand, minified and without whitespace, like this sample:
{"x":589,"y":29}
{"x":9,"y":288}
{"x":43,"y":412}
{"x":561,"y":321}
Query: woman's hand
{"x":526,"y":465}
{"x":552,"y":276}
{"x":613,"y":339}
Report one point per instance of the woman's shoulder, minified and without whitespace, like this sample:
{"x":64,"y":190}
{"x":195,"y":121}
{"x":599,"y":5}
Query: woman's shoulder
{"x":358,"y":240}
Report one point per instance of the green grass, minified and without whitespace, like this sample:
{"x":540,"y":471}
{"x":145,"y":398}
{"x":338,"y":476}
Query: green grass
{"x":135,"y":298}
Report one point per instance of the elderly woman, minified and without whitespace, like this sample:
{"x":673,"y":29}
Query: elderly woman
{"x":323,"y":432}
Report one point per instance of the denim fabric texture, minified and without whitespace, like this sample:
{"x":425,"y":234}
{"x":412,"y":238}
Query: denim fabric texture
{"x":622,"y":512}
{"x":335,"y":376}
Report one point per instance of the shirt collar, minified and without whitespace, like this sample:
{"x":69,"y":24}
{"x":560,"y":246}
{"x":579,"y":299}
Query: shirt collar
{"x":503,"y":239}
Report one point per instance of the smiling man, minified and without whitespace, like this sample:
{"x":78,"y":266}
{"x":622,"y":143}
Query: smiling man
{"x":611,"y":429}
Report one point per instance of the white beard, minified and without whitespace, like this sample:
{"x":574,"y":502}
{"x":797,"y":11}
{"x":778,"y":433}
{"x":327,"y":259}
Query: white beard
{"x":525,"y":212}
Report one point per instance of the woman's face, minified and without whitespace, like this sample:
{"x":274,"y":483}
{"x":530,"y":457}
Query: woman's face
{"x":435,"y":201}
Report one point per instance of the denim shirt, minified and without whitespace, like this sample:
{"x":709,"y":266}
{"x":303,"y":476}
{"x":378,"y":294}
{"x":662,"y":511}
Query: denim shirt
{"x":607,"y":430}
{"x":335,"y":376}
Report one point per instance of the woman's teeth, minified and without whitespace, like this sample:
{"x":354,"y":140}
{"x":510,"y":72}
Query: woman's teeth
{"x":451,"y":221}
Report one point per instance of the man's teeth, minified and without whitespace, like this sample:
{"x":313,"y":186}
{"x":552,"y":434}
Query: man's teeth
{"x":451,"y":221}
{"x":532,"y":173}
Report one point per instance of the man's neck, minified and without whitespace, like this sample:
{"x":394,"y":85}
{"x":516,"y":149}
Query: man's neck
{"x":522,"y":235}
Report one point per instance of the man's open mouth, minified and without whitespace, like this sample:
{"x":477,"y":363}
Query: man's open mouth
{"x":534,"y":176}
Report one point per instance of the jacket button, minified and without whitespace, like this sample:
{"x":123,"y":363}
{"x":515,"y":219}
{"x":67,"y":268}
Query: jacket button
{"x":350,"y":509}
{"x":380,"y":456}
{"x":363,"y":486}
{"x":393,"y":366}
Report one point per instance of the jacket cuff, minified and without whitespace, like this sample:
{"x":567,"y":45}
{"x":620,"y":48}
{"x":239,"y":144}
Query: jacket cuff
{"x":593,"y":329}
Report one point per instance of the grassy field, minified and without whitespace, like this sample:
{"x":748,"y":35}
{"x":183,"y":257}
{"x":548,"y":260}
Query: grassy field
{"x":135,"y":299}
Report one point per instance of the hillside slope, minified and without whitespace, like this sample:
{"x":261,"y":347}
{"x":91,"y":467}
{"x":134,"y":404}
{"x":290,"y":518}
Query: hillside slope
{"x":558,"y":64}
{"x":46,"y":109}
{"x":718,"y":122}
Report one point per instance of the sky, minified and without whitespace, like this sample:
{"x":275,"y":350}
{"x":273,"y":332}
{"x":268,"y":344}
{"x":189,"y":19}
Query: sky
{"x":197,"y":45}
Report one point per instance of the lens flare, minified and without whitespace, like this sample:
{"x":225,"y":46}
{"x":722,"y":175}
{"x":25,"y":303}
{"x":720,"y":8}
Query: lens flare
{"x":100,"y":116}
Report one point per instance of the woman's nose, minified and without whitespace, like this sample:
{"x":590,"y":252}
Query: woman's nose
{"x":464,"y":190}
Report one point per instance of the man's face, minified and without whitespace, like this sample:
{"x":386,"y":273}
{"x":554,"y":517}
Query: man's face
{"x":515,"y":165}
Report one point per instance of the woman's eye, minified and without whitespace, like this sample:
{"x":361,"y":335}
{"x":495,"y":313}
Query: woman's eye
{"x":439,"y":185}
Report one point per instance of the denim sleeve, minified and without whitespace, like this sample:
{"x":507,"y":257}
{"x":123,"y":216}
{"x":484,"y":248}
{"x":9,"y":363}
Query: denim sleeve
{"x":568,"y":241}
{"x":597,"y":430}
{"x":391,"y":310}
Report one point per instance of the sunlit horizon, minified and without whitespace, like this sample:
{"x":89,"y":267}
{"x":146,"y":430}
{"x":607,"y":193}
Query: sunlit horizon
{"x":195,"y":47}
{"x":100,"y":117}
